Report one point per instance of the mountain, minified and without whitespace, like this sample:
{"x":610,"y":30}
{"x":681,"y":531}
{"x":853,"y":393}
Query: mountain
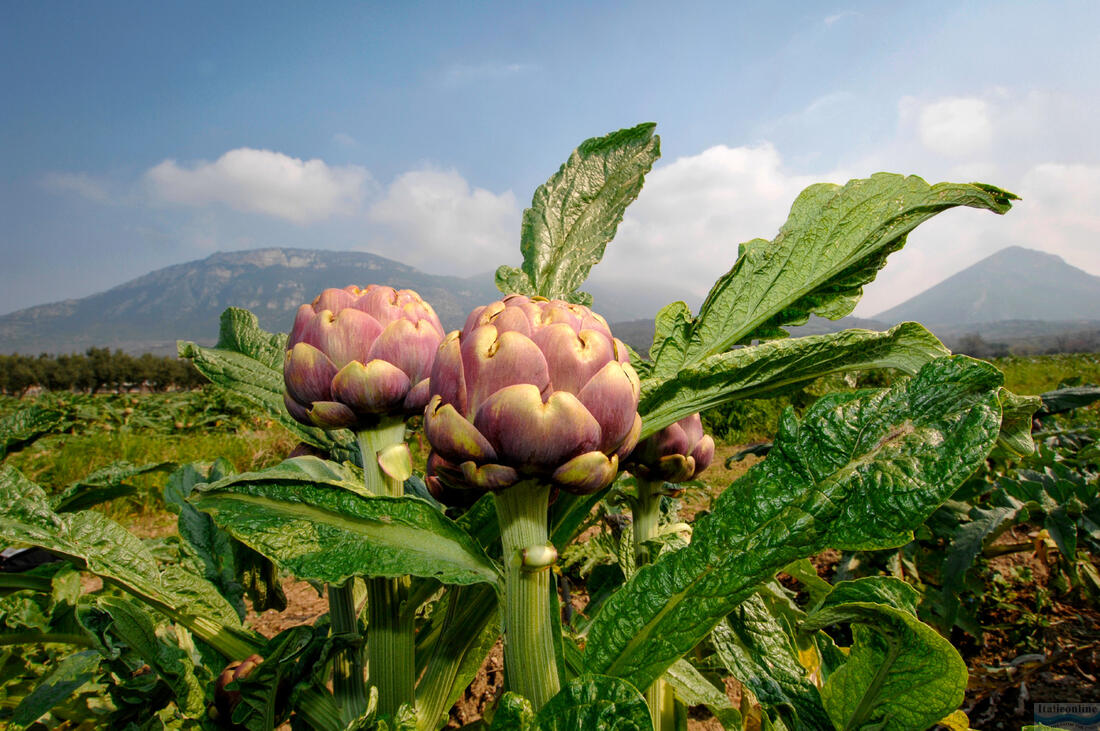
{"x":150,"y":313}
{"x":1012,"y":284}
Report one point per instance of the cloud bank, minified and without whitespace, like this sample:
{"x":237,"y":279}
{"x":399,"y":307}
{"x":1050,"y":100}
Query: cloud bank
{"x":263,"y":181}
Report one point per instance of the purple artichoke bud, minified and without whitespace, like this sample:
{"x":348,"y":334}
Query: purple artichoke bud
{"x":531,"y":388}
{"x":225,"y":701}
{"x":354,"y":355}
{"x":677,"y":453}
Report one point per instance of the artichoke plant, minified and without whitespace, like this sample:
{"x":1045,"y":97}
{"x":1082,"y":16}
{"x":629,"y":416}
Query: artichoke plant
{"x":360,"y":359}
{"x":531,"y":394}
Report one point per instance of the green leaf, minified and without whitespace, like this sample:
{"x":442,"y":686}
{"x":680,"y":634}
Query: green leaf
{"x":756,"y":649}
{"x":513,"y":713}
{"x":70,"y":675}
{"x":595,"y":703}
{"x":249,"y":361}
{"x":860,"y":471}
{"x":313,"y":524}
{"x":834,"y":242}
{"x":753,"y":372}
{"x":694,"y":690}
{"x":575,"y":213}
{"x":874,"y":589}
{"x":1060,"y":401}
{"x":234,"y":568}
{"x":901,"y":675}
{"x":138,"y":630}
{"x":967,"y":540}
{"x":97,"y":544}
{"x":23,"y":427}
{"x":104,"y":484}
{"x":1016,"y":422}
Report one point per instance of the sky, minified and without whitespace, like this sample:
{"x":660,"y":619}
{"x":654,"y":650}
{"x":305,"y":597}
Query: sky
{"x":139,"y":135}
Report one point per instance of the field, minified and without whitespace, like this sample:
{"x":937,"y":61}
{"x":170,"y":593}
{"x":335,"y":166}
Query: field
{"x":1023,"y":615}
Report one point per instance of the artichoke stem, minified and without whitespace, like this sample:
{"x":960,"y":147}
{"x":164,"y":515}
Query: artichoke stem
{"x":647,"y":512}
{"x":390,"y":627}
{"x":530,"y":662}
{"x":347,"y":672}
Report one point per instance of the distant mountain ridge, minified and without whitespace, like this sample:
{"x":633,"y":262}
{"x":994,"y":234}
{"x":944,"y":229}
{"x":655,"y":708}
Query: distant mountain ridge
{"x":184,"y":301}
{"x":1012,"y":284}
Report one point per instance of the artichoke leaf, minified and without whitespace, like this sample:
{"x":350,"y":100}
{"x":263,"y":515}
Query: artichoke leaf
{"x":833,"y":243}
{"x":753,"y":372}
{"x":575,"y":213}
{"x":316,"y":523}
{"x":860,"y":470}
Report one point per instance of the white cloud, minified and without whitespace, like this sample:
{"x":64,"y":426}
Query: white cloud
{"x":438,"y":223}
{"x":956,"y":127}
{"x":687,"y":223}
{"x":263,"y":181}
{"x":82,"y":184}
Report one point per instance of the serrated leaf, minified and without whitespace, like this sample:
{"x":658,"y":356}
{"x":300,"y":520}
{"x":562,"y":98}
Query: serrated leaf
{"x":575,"y":213}
{"x":99,"y":545}
{"x":753,"y":372}
{"x":66,"y":678}
{"x":595,"y":703}
{"x":138,"y":630}
{"x":249,"y":361}
{"x":901,"y":675}
{"x":22,"y":428}
{"x":755,"y":648}
{"x":834,"y":242}
{"x":316,"y":526}
{"x":860,"y":471}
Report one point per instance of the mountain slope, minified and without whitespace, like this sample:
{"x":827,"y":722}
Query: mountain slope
{"x":1012,"y":284}
{"x":184,"y":301}
{"x":150,"y":313}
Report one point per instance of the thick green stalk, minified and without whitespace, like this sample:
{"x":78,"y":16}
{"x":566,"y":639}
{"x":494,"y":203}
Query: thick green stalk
{"x":347,"y":671}
{"x":390,"y":622}
{"x":529,"y":660}
{"x":470,"y":609}
{"x":647,"y":512}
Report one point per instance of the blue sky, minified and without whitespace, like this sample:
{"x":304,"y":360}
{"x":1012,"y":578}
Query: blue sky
{"x":139,"y":135}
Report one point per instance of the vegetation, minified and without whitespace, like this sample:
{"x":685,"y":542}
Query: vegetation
{"x":892,"y":442}
{"x":96,"y":370}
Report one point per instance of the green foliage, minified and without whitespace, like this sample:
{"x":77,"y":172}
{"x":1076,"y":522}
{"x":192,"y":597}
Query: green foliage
{"x":893,"y":454}
{"x":314,"y":521}
{"x":575,"y":213}
{"x":900,"y":674}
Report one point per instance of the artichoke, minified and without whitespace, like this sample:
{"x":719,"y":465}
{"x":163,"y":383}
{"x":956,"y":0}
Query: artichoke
{"x":355,"y":355}
{"x":531,"y":389}
{"x":677,"y":453}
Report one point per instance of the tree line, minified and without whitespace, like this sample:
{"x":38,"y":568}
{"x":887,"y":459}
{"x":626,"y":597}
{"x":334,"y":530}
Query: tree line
{"x":97,"y":369}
